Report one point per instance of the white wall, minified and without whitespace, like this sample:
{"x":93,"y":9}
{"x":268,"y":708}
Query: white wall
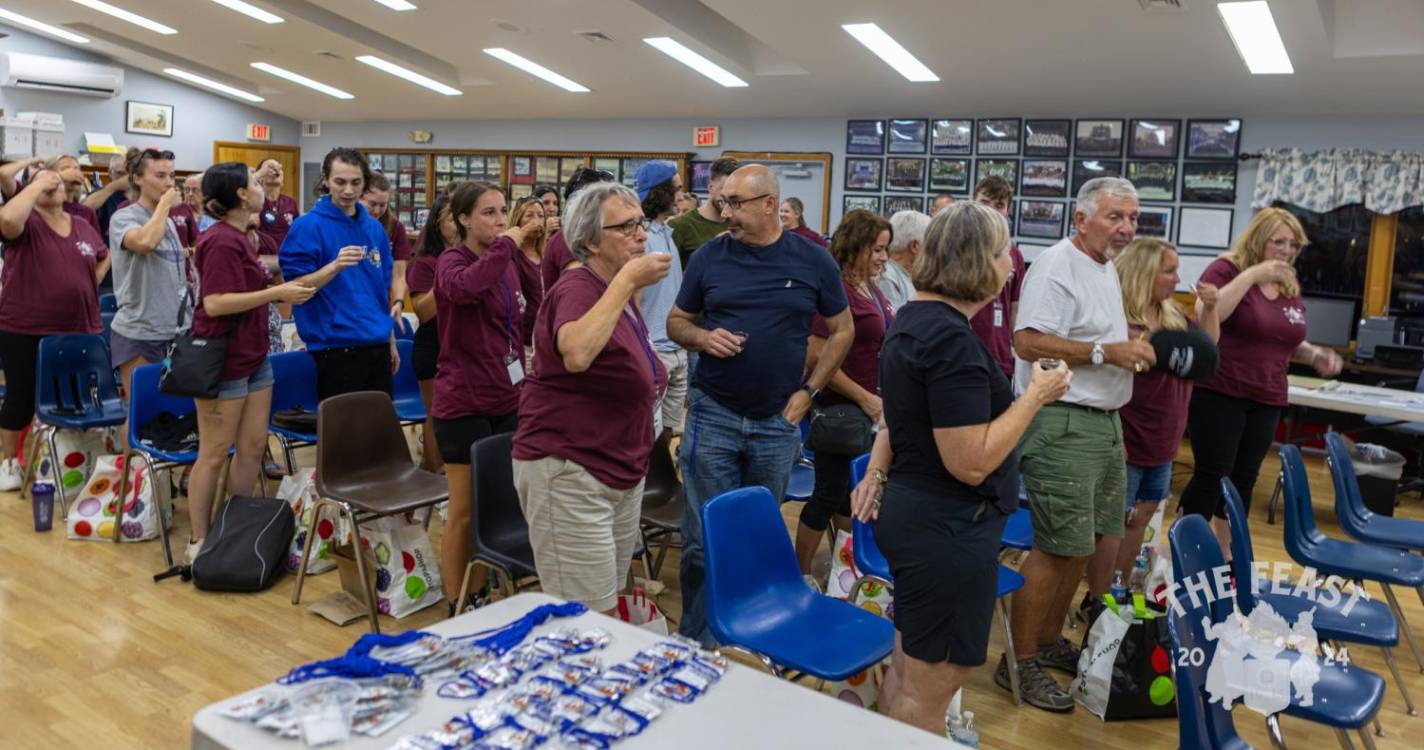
{"x":199,"y":118}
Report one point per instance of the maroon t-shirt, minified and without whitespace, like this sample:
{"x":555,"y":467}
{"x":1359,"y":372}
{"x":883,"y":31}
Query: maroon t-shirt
{"x":47,"y":285}
{"x":186,"y":224}
{"x":1257,"y":341}
{"x":556,"y":256}
{"x":478,"y":310}
{"x":277,"y":217}
{"x":420,"y":274}
{"x":1154,"y":421}
{"x":811,"y":235}
{"x":992,"y":325}
{"x":85,"y":213}
{"x":531,"y":282}
{"x":400,"y":243}
{"x":862,"y":363}
{"x":573,"y":415}
{"x":227,"y":263}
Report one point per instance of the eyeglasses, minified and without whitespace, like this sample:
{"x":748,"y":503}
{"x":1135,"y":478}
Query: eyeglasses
{"x":737,"y":203}
{"x":153,"y":153}
{"x":630,"y":226}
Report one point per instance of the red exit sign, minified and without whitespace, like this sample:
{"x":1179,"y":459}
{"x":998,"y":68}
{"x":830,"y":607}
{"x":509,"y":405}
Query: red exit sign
{"x":707,"y":136}
{"x":257,"y":131}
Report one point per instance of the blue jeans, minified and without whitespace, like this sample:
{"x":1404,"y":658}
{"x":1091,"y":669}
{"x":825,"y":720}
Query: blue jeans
{"x":722,"y":450}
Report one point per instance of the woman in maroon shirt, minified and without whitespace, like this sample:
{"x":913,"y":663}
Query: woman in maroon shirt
{"x":528,"y":262}
{"x":278,"y":211}
{"x":793,"y":220}
{"x":1232,"y":418}
{"x":586,"y":414}
{"x":861,"y":247}
{"x":437,"y":234}
{"x":49,"y":285}
{"x":377,"y":200}
{"x":233,"y":295}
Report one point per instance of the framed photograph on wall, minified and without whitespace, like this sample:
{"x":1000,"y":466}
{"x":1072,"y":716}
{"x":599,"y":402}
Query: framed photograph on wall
{"x":147,"y":118}
{"x":950,"y":176}
{"x":905,"y":175}
{"x":865,"y":137}
{"x":908,"y":137}
{"x":1045,"y":178}
{"x":952,"y":137}
{"x":870,"y":203}
{"x":1005,"y":168}
{"x":520,"y":191}
{"x":1213,"y":139}
{"x":999,"y":136}
{"x":1209,"y":182}
{"x":1046,"y":137}
{"x":546,"y":169}
{"x":1088,"y":169}
{"x":700,"y":173}
{"x":1204,"y":227}
{"x":894,"y":204}
{"x":1154,"y":139}
{"x":1154,"y":180}
{"x":863,"y":174}
{"x":1071,"y":228}
{"x":1154,"y":221}
{"x":1041,"y":219}
{"x":1097,"y":138}
{"x":522,"y":166}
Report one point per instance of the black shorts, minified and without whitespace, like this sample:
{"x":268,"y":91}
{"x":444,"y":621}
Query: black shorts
{"x":423,"y":359}
{"x":454,"y":437}
{"x":943,"y":554}
{"x":350,"y":369}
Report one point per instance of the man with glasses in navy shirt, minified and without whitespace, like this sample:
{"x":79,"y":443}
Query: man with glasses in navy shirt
{"x":757,"y":289}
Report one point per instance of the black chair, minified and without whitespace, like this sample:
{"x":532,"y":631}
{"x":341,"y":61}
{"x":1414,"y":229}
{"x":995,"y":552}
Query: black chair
{"x":663,"y":504}
{"x":499,"y":535}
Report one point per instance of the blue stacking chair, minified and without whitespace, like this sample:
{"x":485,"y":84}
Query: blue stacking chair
{"x":1368,"y":623}
{"x":1345,"y":697}
{"x":405,"y":392}
{"x":146,"y":402}
{"x":294,"y":385}
{"x":1358,"y":521}
{"x":1350,"y":560}
{"x":1018,"y":531}
{"x":802,"y":481}
{"x":404,"y":330}
{"x":758,"y":603}
{"x":75,"y":390}
{"x":107,"y":319}
{"x":108,"y":303}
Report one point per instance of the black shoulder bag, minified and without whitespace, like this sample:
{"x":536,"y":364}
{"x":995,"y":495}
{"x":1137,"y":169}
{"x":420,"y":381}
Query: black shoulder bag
{"x":195,"y":363}
{"x":843,"y":429}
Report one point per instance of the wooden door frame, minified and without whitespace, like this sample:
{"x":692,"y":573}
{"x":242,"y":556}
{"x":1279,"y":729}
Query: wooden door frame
{"x":295,"y":151}
{"x":824,"y":157}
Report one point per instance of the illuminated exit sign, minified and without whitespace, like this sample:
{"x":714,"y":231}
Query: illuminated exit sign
{"x":707,"y":136}
{"x":257,"y":131}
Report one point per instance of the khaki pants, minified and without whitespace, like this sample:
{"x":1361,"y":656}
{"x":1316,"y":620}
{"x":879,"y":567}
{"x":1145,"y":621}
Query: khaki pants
{"x":674,"y":404}
{"x":582,"y":531}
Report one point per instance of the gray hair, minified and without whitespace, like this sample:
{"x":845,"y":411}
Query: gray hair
{"x":583,"y":216}
{"x":907,"y":227}
{"x":1097,"y":187}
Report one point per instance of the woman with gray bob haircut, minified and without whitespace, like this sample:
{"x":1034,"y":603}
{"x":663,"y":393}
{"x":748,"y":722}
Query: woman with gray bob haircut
{"x":586,"y":411}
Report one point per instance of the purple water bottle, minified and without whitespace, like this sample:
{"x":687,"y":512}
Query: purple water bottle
{"x":42,"y":498}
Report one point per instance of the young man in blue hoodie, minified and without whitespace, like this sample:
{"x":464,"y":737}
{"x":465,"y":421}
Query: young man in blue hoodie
{"x":339,"y":249}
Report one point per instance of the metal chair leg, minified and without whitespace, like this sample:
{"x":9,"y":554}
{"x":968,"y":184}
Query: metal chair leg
{"x":647,"y":554}
{"x":29,"y":448}
{"x":124,"y":459}
{"x":55,"y":465}
{"x":1275,"y":498}
{"x":1368,"y":741}
{"x":1009,"y":650}
{"x":1398,"y":679}
{"x":1344,"y":738}
{"x":1273,"y":729}
{"x":1403,"y":624}
{"x":162,"y":522}
{"x":366,"y":592}
{"x":307,"y":550}
{"x":763,"y":658}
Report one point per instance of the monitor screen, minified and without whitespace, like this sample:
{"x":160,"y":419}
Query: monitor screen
{"x":1330,"y":321}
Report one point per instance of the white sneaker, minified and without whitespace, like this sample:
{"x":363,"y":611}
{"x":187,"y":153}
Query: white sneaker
{"x":11,"y":475}
{"x":191,"y":554}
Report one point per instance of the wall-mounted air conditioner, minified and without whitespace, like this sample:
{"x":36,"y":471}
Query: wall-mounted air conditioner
{"x":26,"y":71}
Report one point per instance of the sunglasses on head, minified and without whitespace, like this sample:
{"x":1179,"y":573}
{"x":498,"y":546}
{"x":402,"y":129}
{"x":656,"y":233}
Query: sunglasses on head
{"x":153,"y":153}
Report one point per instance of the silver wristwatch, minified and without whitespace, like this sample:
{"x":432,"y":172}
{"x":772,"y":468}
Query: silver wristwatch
{"x":1098,"y":356}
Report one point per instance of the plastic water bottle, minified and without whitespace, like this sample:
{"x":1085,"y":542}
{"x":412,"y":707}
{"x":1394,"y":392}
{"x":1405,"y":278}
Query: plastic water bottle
{"x":967,"y":732}
{"x":1119,"y":590}
{"x":951,"y":714}
{"x":1138,"y":584}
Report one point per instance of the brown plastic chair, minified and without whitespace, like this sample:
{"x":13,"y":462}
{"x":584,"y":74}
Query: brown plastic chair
{"x":364,"y":471}
{"x":662,"y":506}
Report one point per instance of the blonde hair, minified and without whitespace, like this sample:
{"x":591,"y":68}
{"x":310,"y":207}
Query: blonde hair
{"x":516,"y":215}
{"x":1137,"y":269}
{"x":960,"y":248}
{"x":1249,"y":247}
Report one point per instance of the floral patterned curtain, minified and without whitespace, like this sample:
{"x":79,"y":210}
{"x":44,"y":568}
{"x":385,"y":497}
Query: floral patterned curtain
{"x":1386,"y":182}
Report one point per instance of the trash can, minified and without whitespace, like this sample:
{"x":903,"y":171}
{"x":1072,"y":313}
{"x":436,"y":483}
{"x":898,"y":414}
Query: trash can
{"x":1378,"y":469}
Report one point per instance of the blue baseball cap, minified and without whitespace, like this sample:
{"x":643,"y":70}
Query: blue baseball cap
{"x":650,"y":175}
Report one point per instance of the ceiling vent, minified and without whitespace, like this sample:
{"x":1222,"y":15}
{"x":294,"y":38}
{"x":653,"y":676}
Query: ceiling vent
{"x":596,"y":37}
{"x":1158,"y":6}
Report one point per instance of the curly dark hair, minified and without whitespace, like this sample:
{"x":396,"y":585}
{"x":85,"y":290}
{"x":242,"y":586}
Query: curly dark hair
{"x":345,"y":155}
{"x":662,"y":199}
{"x":857,"y":231}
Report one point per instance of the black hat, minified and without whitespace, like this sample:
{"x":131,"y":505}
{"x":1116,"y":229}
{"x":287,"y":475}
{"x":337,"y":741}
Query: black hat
{"x":1189,"y":354}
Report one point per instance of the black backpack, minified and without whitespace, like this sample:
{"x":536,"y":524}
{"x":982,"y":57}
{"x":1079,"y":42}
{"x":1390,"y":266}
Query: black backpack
{"x":246,"y":548}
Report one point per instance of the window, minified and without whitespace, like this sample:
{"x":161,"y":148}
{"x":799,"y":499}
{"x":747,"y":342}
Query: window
{"x":1406,"y":296}
{"x":1333,"y":264}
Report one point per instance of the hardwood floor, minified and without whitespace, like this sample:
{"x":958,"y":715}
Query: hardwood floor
{"x":93,"y":653}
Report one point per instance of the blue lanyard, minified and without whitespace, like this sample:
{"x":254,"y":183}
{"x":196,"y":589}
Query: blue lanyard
{"x":646,"y":340}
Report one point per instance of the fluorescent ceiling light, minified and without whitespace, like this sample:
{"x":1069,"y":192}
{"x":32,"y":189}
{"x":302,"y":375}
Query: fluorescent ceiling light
{"x":41,"y":26}
{"x":697,"y":62}
{"x":1257,"y":39}
{"x":409,"y":75}
{"x":886,"y":48}
{"x":535,"y":69}
{"x":248,"y":9}
{"x":396,"y":4}
{"x":124,"y":15}
{"x":303,"y":80}
{"x":214,"y":85}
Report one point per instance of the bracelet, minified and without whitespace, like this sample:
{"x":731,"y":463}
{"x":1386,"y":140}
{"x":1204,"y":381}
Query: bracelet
{"x":877,"y":474}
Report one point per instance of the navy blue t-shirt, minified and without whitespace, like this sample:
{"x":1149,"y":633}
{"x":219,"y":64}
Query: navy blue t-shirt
{"x":771,"y":294}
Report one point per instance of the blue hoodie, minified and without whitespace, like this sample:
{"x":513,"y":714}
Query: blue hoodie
{"x":352,"y":309}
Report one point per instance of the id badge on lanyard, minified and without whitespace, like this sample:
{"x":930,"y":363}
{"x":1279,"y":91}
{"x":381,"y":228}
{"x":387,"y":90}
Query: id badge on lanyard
{"x":515,"y":365}
{"x":513,"y":361}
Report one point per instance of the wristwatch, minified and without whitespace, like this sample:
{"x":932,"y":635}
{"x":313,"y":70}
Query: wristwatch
{"x":810,"y":391}
{"x":1098,"y":356}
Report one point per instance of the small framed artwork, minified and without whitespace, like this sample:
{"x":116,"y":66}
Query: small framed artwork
{"x":1046,"y":137}
{"x":1089,"y":169}
{"x":905,"y":175}
{"x":1154,"y":221}
{"x":869,"y":203}
{"x":894,"y":204}
{"x":567,"y":168}
{"x":520,"y":191}
{"x":442,"y":163}
{"x":522,"y":166}
{"x":147,"y":118}
{"x":701,"y":175}
{"x":1154,"y":180}
{"x":1045,"y":178}
{"x":863,"y":174}
{"x":609,"y":164}
{"x":1005,"y":168}
{"x":630,"y":171}
{"x":949,"y":176}
{"x":1204,"y":227}
{"x":1209,"y":182}
{"x":1213,"y":139}
{"x":546,"y":169}
{"x":1154,"y":139}
{"x":1097,"y":138}
{"x":908,"y":137}
{"x":865,"y":137}
{"x":1041,"y":219}
{"x":952,"y":137}
{"x":375,"y":161}
{"x":999,"y":136}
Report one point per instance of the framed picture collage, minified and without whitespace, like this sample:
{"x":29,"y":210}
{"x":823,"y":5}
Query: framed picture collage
{"x":901,"y":164}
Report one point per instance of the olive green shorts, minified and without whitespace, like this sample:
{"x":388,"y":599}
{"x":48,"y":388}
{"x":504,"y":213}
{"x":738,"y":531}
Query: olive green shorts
{"x":1074,"y":470}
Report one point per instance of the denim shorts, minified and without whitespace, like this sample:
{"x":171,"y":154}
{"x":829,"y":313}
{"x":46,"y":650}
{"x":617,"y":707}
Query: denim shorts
{"x":260,"y":378}
{"x":1148,"y":484}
